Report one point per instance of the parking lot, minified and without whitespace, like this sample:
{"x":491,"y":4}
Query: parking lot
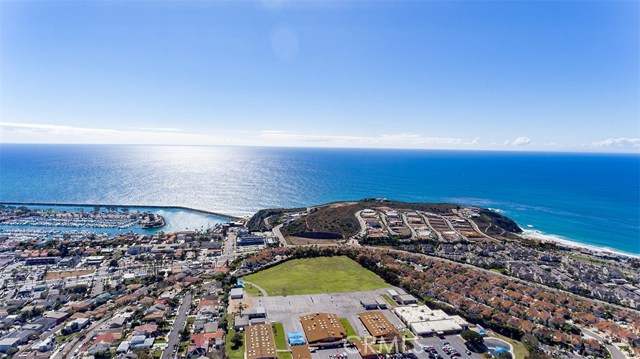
{"x":455,"y":340}
{"x":288,"y":309}
{"x":350,"y":353}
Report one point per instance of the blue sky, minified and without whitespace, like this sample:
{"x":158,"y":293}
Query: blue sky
{"x":543,"y":75}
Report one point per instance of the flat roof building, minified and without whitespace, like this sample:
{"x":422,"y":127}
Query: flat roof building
{"x":300,"y":352}
{"x":236,"y":293}
{"x":369,"y":303}
{"x":365,"y":349}
{"x":379,"y":326}
{"x":259,"y":341}
{"x":419,"y":313}
{"x":322,"y":328}
{"x":405,"y":299}
{"x":423,"y":321}
{"x":445,"y":326}
{"x":257,"y":312}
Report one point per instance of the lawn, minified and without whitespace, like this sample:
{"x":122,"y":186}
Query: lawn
{"x":278,"y":334}
{"x":390,"y":301}
{"x":233,"y":354}
{"x":347,"y":326}
{"x":251,"y":290}
{"x":316,"y":275}
{"x":407,"y":335}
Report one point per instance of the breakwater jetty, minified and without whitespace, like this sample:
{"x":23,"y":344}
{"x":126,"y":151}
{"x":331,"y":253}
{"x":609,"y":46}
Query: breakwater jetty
{"x":53,"y":204}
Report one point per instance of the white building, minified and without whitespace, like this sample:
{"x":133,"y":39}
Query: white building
{"x":236,"y":293}
{"x":424,"y":321}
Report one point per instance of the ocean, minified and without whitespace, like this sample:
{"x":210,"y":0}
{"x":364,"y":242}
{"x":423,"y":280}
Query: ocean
{"x":593,"y":199}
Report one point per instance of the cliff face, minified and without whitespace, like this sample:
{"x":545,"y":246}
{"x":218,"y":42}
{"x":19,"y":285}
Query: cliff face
{"x":257,"y":222}
{"x":498,"y":222}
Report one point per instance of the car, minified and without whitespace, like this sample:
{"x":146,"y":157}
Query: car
{"x":468,"y":352}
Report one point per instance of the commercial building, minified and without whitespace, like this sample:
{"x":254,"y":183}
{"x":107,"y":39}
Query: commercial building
{"x":365,"y":349}
{"x":419,"y":313}
{"x":236,"y":293}
{"x":300,"y":352}
{"x":426,"y":322}
{"x":323,"y":329}
{"x":94,"y":260}
{"x":369,"y":303}
{"x":250,"y":241}
{"x":257,"y":312}
{"x":8,"y":344}
{"x":405,"y":299}
{"x":41,"y":260}
{"x":259,"y":342}
{"x":379,"y":326}
{"x":436,"y":327}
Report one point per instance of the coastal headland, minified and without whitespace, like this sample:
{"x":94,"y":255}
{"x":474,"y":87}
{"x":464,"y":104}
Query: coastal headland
{"x":472,"y":268}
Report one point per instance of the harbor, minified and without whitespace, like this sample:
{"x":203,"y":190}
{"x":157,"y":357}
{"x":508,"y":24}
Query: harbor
{"x":54,"y":220}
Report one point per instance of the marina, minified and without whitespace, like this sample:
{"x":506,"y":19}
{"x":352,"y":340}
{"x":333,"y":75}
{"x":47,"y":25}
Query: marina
{"x":52,"y":220}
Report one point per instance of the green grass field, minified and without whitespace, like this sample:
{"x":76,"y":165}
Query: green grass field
{"x":251,"y":290}
{"x":233,"y":354}
{"x":316,"y":275}
{"x":278,"y":334}
{"x":347,"y":326}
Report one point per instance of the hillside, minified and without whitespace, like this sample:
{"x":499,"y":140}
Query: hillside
{"x":337,"y":220}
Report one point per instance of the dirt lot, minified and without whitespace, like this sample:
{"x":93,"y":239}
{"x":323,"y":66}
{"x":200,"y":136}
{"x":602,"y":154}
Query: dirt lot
{"x":68,"y":274}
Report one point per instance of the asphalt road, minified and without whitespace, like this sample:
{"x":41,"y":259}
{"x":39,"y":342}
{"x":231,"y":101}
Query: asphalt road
{"x":276,"y":231}
{"x":228,"y":251}
{"x":81,"y":339}
{"x":177,"y":326}
{"x":614,"y":351}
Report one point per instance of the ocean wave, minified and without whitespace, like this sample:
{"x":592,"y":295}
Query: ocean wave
{"x":536,"y":234}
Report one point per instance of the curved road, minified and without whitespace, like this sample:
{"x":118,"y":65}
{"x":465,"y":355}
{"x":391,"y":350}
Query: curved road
{"x":264,"y":292}
{"x":615,"y":352}
{"x":276,"y":231}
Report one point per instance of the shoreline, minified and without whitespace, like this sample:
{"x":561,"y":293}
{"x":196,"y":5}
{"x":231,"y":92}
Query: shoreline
{"x":557,"y":239}
{"x":223,"y":215}
{"x":527,"y":233}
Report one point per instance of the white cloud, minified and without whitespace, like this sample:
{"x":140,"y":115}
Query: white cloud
{"x":402,"y":140}
{"x":158,"y":129}
{"x":45,"y":133}
{"x":519,"y":141}
{"x":622,"y":142}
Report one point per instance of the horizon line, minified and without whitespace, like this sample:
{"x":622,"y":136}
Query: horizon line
{"x":620,"y":151}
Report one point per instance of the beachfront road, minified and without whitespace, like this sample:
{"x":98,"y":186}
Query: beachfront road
{"x":177,"y":326}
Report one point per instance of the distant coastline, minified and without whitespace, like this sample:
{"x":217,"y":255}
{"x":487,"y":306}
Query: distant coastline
{"x":223,"y":215}
{"x":527,"y":232}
